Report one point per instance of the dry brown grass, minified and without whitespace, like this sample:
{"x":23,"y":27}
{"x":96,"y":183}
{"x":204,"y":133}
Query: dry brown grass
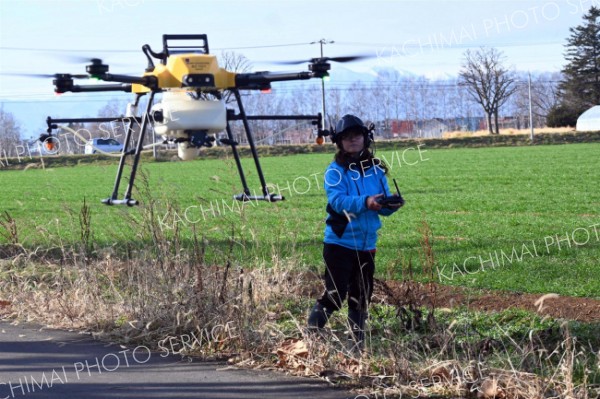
{"x":507,"y":132}
{"x":169,"y":291}
{"x":139,"y":301}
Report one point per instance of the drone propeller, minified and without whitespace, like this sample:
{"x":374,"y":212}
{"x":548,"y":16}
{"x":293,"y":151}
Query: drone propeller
{"x":84,"y":59}
{"x":95,"y":66}
{"x":46,"y":76}
{"x":349,"y":58}
{"x":74,"y":59}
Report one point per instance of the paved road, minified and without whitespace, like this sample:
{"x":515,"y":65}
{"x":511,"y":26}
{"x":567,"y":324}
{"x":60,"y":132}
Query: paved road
{"x":42,"y":363}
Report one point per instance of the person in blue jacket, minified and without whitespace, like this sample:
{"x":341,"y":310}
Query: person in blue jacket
{"x":354,"y":182}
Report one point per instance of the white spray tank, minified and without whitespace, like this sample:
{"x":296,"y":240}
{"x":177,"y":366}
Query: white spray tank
{"x":178,"y":114}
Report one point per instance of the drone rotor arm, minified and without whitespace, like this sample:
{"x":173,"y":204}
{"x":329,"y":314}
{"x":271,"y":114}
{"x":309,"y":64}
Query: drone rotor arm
{"x":92,"y":88}
{"x":263,"y":80}
{"x":149,"y":81}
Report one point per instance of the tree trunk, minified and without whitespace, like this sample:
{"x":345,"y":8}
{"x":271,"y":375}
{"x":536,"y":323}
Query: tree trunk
{"x":489,"y":122}
{"x":496,"y":122}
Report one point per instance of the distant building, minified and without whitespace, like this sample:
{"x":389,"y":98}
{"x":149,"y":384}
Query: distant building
{"x":468,"y":124}
{"x":432,"y":128}
{"x":589,"y":121}
{"x":402,"y":128}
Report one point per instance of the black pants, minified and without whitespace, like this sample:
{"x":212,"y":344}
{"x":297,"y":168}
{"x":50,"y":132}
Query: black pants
{"x":348,"y":272}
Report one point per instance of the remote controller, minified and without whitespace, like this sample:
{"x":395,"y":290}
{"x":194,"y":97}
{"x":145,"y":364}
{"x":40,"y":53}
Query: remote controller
{"x":392,"y":200}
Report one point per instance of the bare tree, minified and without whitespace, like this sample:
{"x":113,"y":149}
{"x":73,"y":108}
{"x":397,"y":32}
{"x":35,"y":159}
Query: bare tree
{"x":10,"y":134}
{"x":335,"y":105}
{"x":488,"y":82}
{"x":544,"y":97}
{"x":359,"y":103}
{"x":545,"y":94}
{"x":116,"y":129}
{"x":462,"y":106}
{"x":383,"y":92}
{"x":233,"y":62}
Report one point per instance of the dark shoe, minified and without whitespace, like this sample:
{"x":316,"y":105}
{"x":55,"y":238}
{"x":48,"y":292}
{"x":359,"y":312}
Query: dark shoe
{"x":318,"y":317}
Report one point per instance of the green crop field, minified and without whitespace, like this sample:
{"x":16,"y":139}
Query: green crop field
{"x":517,"y":218}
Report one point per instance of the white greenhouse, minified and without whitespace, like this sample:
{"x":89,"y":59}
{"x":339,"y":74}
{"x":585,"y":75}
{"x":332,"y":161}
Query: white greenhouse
{"x":589,"y":121}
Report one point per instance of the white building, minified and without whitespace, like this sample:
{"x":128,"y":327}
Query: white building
{"x":589,"y":121}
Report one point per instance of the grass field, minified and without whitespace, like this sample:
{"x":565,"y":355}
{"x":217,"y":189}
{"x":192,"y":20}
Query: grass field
{"x":190,"y":259}
{"x":529,"y":215}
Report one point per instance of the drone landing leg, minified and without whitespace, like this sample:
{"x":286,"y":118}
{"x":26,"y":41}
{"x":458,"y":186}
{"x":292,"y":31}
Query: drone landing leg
{"x":136,"y":160}
{"x":266,"y":196}
{"x":238,"y":163}
{"x":138,"y":150}
{"x":124,"y":155}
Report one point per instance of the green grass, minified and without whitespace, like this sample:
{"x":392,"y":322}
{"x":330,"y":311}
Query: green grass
{"x":478,"y":202}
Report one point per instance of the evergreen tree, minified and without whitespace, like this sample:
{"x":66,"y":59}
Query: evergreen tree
{"x":581,"y":76}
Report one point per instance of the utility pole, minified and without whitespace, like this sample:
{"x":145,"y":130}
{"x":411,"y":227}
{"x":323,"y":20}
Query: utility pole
{"x":530,"y":111}
{"x":322,"y":42}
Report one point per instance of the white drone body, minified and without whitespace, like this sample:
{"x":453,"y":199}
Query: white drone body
{"x":179,"y":117}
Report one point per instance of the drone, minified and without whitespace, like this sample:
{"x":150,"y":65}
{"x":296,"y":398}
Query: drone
{"x":192,"y":108}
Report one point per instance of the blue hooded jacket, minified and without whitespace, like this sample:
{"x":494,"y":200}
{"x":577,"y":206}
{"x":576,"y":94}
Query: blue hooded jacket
{"x":349,"y":222}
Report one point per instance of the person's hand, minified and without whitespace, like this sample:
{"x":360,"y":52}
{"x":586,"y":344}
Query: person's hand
{"x":372,"y":203}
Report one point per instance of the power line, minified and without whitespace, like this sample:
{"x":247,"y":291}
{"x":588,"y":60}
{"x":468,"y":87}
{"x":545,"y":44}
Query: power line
{"x":417,"y":43}
{"x":138,"y":51}
{"x":266,"y":46}
{"x":50,"y":50}
{"x":291,"y":88}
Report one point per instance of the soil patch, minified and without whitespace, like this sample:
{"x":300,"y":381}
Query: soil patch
{"x":570,"y":308}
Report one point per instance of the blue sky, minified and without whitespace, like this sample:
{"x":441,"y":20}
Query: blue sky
{"x":417,"y":37}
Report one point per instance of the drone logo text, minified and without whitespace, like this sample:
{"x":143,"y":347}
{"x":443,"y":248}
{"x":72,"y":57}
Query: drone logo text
{"x":109,"y":5}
